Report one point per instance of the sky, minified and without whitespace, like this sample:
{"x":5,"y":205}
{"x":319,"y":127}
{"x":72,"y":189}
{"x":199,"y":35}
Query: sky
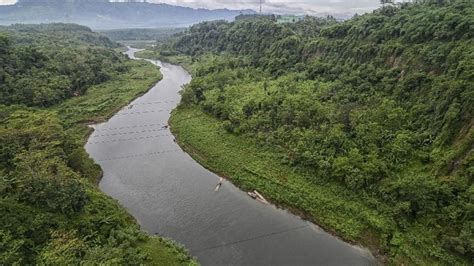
{"x":309,"y":7}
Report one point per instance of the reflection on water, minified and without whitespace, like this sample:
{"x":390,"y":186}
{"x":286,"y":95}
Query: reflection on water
{"x":172,"y":195}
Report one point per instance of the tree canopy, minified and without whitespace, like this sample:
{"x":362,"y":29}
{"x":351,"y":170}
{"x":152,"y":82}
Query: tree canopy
{"x":51,"y":212}
{"x":381,"y":103}
{"x":43,"y":65}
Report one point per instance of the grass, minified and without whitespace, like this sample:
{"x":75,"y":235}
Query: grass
{"x":97,"y":105}
{"x":183,"y":60}
{"x":251,"y":166}
{"x":141,"y":44}
{"x":100,"y":102}
{"x":354,"y":217}
{"x":165,"y":252}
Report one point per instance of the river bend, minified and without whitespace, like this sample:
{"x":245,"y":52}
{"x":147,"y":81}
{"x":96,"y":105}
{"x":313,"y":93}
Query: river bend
{"x":170,"y":194}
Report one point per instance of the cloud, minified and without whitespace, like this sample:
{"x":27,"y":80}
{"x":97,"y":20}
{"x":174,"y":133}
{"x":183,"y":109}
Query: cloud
{"x":285,"y":6}
{"x":311,"y":7}
{"x":7,"y":2}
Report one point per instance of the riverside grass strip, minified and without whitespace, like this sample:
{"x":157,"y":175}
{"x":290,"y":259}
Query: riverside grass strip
{"x":99,"y":104}
{"x":354,"y":217}
{"x":251,"y":167}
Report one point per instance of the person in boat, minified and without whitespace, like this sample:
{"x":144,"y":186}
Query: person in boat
{"x":219,"y":184}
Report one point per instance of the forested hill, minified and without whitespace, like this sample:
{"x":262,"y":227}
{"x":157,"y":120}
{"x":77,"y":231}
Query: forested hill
{"x":42,"y":65}
{"x":381,"y":104}
{"x":104,"y":14}
{"x":56,"y":34}
{"x":54,"y":78}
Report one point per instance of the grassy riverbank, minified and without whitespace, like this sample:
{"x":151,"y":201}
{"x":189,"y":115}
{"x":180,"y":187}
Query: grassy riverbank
{"x":53,"y":212}
{"x":97,"y":105}
{"x":251,"y":166}
{"x":56,"y":79}
{"x":102,"y":101}
{"x":183,"y":60}
{"x":365,"y":126}
{"x":355,"y":217}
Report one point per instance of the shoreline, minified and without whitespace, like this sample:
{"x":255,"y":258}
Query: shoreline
{"x":169,"y":246}
{"x":196,"y":154}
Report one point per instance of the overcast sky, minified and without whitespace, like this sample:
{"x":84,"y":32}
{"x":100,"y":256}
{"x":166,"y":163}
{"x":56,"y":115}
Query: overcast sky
{"x":276,"y":6}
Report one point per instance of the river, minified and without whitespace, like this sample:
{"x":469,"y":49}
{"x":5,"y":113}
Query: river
{"x":172,"y":195}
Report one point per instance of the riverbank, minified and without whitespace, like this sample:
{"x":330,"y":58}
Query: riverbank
{"x":171,"y":194}
{"x":102,"y":101}
{"x":99,"y":104}
{"x":381,"y":138}
{"x":182,"y":60}
{"x":251,"y":167}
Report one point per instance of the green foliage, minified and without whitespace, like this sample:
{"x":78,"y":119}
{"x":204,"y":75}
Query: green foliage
{"x":183,"y":60}
{"x":158,"y":35}
{"x":167,"y":253}
{"x":58,"y":34}
{"x":65,"y":248}
{"x":43,"y":65}
{"x":52,"y":213}
{"x":24,"y":230}
{"x":36,"y":172}
{"x":381,"y":105}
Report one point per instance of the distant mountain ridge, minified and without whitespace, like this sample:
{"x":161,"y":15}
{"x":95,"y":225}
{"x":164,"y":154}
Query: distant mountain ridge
{"x":102,"y":14}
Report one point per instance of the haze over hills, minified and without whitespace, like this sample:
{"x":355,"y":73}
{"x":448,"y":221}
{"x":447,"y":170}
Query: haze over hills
{"x":102,"y":14}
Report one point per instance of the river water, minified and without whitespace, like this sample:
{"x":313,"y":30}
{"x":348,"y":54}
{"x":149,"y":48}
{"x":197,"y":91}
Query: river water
{"x":170,"y":194}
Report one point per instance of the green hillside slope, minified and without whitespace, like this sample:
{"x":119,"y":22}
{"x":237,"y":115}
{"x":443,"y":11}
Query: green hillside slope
{"x":374,"y":113}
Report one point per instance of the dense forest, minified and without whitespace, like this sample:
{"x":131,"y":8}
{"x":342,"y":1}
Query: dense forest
{"x":382,"y":105}
{"x":158,"y":35}
{"x":53,"y":79}
{"x":141,"y":38}
{"x":43,"y":65}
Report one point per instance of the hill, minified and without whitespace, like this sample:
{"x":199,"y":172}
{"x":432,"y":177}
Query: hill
{"x":364,"y":126}
{"x":102,"y":14}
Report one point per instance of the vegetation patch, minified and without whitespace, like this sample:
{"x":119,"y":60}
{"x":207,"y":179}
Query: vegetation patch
{"x":57,"y":79}
{"x":185,"y":61}
{"x":253,"y":167}
{"x":366,"y":125}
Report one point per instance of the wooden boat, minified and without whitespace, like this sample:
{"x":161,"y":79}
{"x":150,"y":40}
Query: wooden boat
{"x":257,"y":196}
{"x":219,"y":184}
